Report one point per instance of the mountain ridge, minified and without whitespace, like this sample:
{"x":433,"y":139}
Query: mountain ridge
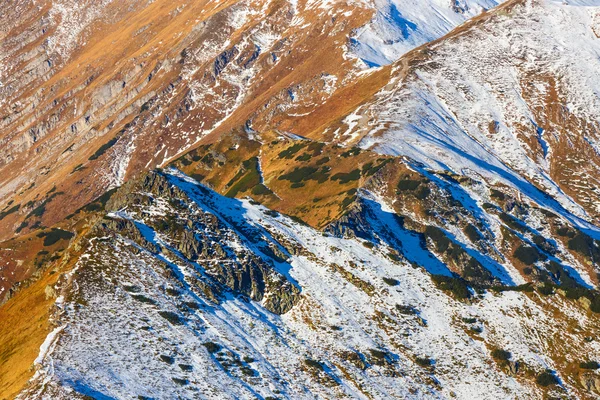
{"x":278,"y":211}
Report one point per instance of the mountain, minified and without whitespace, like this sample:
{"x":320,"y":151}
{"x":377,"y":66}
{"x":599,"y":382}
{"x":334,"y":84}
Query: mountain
{"x":299,"y":199}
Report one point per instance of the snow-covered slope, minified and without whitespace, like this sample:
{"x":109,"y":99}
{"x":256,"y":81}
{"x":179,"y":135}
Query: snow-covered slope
{"x":138,"y":317}
{"x":513,"y":98}
{"x":401,"y":25}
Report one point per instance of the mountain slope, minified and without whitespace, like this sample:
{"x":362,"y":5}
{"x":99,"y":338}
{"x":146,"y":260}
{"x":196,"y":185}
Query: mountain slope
{"x":94,"y":92}
{"x":400,"y":26}
{"x":504,"y":99}
{"x":299,"y":199}
{"x":362,"y":328}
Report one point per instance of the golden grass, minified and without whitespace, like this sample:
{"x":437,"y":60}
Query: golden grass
{"x":23,"y":327}
{"x":24,"y":319}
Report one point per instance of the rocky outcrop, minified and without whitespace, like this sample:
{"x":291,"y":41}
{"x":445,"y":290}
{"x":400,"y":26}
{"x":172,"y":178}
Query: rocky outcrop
{"x":189,"y":233}
{"x":354,"y":223}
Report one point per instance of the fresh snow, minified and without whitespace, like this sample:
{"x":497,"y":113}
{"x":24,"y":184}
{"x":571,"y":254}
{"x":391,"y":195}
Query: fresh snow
{"x":401,"y":25}
{"x":111,"y":344}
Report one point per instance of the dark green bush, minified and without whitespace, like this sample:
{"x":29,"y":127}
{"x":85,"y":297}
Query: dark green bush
{"x":475,"y":271}
{"x":260,"y":190}
{"x":290,"y":151}
{"x":424,"y":361}
{"x":595,"y":306}
{"x":368,"y":244}
{"x":316,"y":148}
{"x":580,"y":243}
{"x":322,"y":161}
{"x":457,"y":286}
{"x":78,"y":167}
{"x":172,"y":317}
{"x":103,"y":149}
{"x":314,"y":364}
{"x":248,"y":371}
{"x":143,"y":299}
{"x":22,"y":226}
{"x":422,"y":192}
{"x":408,"y":184}
{"x":438,"y":237}
{"x":186,"y":367}
{"x":472,"y":233}
{"x":346,"y":202}
{"x":407,"y":310}
{"x":476,"y":329}
{"x":298,"y":174}
{"x":212,"y":347}
{"x":185,"y":161}
{"x":543,"y":244}
{"x":528,"y":255}
{"x":391,"y":282}
{"x":248,"y":177}
{"x":100,"y":202}
{"x":181,"y":382}
{"x":565,"y":231}
{"x":352,"y":152}
{"x":512,"y":222}
{"x":546,"y":290}
{"x":145,"y":107}
{"x":192,"y":305}
{"x":501,"y":355}
{"x":497,"y":194}
{"x":55,"y":235}
{"x":575,"y":292}
{"x":546,"y":378}
{"x":11,"y":210}
{"x":370,"y":169}
{"x":167,"y":359}
{"x":38,"y":211}
{"x":379,"y":357}
{"x":394,"y":257}
{"x":589,"y":365}
{"x":198,"y":177}
{"x":561,"y":275}
{"x":526,"y":287}
{"x":346,"y":177}
{"x":304,"y":157}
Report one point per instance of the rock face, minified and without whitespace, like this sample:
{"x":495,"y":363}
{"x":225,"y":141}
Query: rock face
{"x":162,"y":218}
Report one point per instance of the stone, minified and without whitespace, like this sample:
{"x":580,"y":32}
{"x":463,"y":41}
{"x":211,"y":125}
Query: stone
{"x":50,"y":292}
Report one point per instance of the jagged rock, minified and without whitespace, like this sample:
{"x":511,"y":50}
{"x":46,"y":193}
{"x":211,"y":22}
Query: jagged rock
{"x":513,"y":367}
{"x":201,"y":239}
{"x":127,"y":228}
{"x":282,"y":300}
{"x":590,"y":381}
{"x":353,"y":223}
{"x":188,"y":245}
